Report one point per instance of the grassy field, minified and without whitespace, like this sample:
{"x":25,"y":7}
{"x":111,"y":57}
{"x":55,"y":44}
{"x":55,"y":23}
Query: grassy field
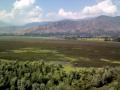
{"x":66,"y":52}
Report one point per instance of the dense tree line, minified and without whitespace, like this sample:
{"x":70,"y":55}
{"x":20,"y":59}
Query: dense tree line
{"x":37,"y":75}
{"x":117,"y":39}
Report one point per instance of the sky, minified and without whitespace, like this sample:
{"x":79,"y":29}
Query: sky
{"x":27,"y":11}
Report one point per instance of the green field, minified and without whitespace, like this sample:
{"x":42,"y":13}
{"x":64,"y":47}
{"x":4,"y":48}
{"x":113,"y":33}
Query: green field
{"x":35,"y":63}
{"x":66,"y":52}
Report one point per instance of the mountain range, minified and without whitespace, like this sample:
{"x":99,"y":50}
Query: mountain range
{"x":97,"y":26}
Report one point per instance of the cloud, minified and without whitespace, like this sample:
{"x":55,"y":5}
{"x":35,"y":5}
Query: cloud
{"x":35,"y":14}
{"x":69,"y":14}
{"x":23,"y":11}
{"x":52,"y":16}
{"x":5,"y":16}
{"x":105,"y":7}
{"x":21,"y":4}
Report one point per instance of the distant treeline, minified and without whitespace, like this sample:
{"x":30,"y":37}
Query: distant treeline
{"x":117,"y":39}
{"x":71,"y":36}
{"x":38,"y":75}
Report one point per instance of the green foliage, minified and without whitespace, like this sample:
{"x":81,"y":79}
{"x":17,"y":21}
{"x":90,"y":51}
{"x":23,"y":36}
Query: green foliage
{"x":65,"y":52}
{"x":37,"y":75}
{"x":117,"y":39}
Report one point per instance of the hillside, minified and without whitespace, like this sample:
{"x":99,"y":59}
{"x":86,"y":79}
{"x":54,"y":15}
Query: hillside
{"x":98,"y":26}
{"x":102,"y":25}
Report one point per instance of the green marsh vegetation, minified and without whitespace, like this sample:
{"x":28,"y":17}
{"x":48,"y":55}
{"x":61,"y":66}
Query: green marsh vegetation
{"x":42,"y":64}
{"x":70,"y":52}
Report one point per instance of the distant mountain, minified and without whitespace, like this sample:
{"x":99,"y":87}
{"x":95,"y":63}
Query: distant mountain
{"x":8,"y":28}
{"x":98,"y":26}
{"x":14,"y":29}
{"x":36,"y":24}
{"x":4,"y":24}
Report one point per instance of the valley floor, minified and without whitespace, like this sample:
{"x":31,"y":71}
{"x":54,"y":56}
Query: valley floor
{"x":73,"y":53}
{"x":48,"y":64}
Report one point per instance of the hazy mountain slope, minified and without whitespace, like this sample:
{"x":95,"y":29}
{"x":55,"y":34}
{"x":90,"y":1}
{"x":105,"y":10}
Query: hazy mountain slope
{"x":4,"y":24}
{"x":101,"y":24}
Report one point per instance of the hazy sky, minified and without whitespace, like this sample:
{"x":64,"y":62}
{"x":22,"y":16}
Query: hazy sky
{"x":25,"y":11}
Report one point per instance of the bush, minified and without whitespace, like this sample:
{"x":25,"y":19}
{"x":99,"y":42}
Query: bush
{"x":37,"y":75}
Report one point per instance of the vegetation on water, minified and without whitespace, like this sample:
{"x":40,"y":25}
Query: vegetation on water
{"x":39,"y":64}
{"x":38,"y":75}
{"x":65,"y":52}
